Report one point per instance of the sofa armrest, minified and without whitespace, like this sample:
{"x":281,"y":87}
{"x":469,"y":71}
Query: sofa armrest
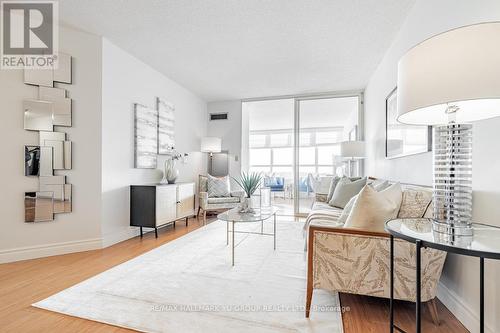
{"x":203,"y":199}
{"x":358,"y":261}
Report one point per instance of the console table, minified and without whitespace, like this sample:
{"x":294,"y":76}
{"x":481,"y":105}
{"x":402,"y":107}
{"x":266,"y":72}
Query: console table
{"x":484,"y":244}
{"x":159,"y":205}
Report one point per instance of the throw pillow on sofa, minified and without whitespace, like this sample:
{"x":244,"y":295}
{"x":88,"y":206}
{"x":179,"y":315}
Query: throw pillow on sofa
{"x":347,"y":209}
{"x":345,"y":190}
{"x":333,"y":185}
{"x":218,"y":187}
{"x":415,"y":203}
{"x":381,"y":186}
{"x":372,"y":209}
{"x":319,"y":185}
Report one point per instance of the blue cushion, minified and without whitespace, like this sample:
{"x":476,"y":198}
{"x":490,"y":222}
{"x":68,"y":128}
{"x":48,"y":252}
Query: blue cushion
{"x":275,"y":183}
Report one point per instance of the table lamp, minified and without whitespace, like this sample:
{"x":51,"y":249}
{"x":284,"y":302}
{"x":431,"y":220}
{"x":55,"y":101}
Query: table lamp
{"x":352,"y":150}
{"x":450,"y":80}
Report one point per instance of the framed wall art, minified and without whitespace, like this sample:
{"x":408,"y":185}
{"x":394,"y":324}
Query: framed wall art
{"x":166,"y":126}
{"x":146,"y":137}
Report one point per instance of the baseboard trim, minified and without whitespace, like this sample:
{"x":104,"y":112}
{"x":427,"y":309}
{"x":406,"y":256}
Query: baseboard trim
{"x":464,"y":313}
{"x":48,"y":250}
{"x":117,"y":237}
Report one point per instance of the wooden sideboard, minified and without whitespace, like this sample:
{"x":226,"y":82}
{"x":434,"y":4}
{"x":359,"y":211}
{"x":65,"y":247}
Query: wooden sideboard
{"x":158,"y":205}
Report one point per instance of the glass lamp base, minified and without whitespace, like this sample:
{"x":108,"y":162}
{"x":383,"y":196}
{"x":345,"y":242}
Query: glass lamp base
{"x":452,"y":229}
{"x":452,"y":183}
{"x":456,"y":235}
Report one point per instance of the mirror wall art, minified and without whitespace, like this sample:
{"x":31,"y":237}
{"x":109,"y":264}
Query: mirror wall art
{"x":53,"y":152}
{"x":400,"y":139}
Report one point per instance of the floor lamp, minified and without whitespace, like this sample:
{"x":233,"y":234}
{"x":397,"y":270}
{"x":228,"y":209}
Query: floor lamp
{"x":211,"y":145}
{"x":450,"y":80}
{"x":353,"y":151}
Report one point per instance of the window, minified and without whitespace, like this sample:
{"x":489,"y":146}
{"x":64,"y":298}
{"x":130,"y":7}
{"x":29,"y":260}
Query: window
{"x":305,"y":139}
{"x":282,"y":171}
{"x":283,"y":156}
{"x":260,"y":156}
{"x":326,"y":170}
{"x":328,"y":137}
{"x":258,"y":140}
{"x":307,"y":155}
{"x":327,"y":153}
{"x":263,"y":169}
{"x":305,"y":170}
{"x":280,"y":140}
{"x":272,"y":152}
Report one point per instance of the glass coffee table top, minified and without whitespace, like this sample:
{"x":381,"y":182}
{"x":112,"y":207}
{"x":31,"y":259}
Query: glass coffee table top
{"x":259,"y":214}
{"x":485,"y":241}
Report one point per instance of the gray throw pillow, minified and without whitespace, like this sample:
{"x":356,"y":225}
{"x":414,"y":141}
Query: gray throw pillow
{"x":333,"y":184}
{"x":345,"y":190}
{"x":218,"y":186}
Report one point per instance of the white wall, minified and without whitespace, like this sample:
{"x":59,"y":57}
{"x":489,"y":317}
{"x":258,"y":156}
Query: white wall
{"x":460,"y":283}
{"x":127,"y":80}
{"x":106,"y":83}
{"x":229,"y":130}
{"x":76,"y":231}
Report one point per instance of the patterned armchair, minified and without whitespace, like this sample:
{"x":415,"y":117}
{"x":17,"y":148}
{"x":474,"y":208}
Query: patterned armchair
{"x":358,"y":261}
{"x":215,"y":204}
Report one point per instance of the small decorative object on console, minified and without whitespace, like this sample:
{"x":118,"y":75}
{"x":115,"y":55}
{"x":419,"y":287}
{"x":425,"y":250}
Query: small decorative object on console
{"x":171,"y":171}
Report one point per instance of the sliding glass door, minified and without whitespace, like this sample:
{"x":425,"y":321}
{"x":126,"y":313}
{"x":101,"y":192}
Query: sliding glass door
{"x":321,"y":124}
{"x":270,"y":148}
{"x":294,"y":142}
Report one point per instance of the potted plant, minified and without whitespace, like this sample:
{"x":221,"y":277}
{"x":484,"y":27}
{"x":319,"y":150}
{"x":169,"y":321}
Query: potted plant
{"x":249,"y":183}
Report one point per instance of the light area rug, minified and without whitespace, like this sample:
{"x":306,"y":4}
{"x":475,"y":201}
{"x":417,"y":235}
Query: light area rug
{"x":189,"y":285}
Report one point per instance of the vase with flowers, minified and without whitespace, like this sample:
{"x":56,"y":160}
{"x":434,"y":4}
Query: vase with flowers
{"x":171,"y":172}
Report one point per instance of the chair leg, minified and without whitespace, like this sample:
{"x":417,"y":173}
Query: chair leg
{"x":309,"y":295}
{"x":197,"y":215}
{"x":431,"y":305}
{"x":204,"y":217}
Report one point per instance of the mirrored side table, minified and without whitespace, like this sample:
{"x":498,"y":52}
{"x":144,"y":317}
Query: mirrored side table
{"x":484,"y":244}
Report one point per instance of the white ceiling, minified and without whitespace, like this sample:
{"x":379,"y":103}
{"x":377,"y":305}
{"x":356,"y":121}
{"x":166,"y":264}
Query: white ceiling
{"x":232,"y":49}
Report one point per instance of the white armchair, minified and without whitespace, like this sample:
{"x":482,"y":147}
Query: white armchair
{"x":215,"y":204}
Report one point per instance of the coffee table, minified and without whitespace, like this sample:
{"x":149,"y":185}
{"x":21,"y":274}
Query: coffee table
{"x":233,"y":216}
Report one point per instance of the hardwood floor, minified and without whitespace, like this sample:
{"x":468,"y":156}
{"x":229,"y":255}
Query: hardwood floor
{"x":25,"y":282}
{"x":371,"y":315}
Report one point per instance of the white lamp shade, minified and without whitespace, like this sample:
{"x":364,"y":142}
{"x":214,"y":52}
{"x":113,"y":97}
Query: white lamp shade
{"x":211,"y":145}
{"x":458,"y":68}
{"x":352,"y":149}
